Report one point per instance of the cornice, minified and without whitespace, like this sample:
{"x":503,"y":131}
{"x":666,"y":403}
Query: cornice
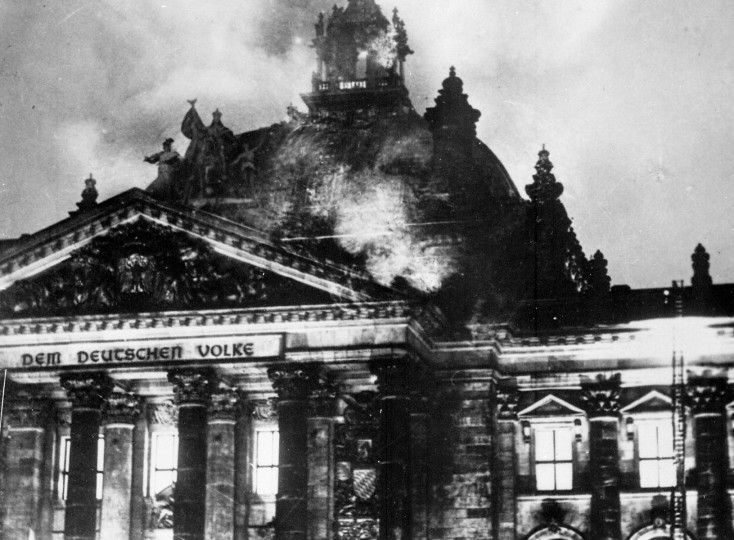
{"x":53,"y":244}
{"x":300,"y":315}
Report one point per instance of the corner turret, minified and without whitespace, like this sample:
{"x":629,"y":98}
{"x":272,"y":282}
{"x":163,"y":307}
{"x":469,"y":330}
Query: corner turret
{"x":89,"y":197}
{"x":453,"y":117}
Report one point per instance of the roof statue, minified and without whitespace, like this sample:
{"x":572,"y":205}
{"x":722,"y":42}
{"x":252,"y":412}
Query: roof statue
{"x":209,"y":154}
{"x":168,"y":161}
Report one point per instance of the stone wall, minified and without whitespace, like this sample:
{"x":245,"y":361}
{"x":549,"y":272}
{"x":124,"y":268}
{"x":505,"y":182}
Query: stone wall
{"x":461,"y":457}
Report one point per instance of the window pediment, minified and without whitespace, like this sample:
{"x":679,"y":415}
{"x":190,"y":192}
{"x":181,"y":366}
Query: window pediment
{"x":652,"y":402}
{"x":550,"y":406}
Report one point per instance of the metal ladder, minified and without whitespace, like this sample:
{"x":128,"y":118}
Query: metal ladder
{"x":678,"y":525}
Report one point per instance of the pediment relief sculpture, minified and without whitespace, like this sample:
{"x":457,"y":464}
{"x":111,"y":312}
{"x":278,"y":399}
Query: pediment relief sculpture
{"x":138,"y":267}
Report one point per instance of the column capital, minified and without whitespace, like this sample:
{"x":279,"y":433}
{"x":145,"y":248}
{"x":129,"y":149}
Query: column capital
{"x":87,"y":390}
{"x":295,"y":382}
{"x":507,"y":398}
{"x":323,"y":399}
{"x":601,"y":397}
{"x":121,"y":408}
{"x":192,"y":386}
{"x":397,"y":376}
{"x":263,"y":409}
{"x":223,"y":403}
{"x":707,"y":394}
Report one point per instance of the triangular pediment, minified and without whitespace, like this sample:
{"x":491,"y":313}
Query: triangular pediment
{"x":133,"y":252}
{"x":550,"y":405}
{"x":651,"y":402}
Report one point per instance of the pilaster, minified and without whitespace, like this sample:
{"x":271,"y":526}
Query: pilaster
{"x":707,"y":397}
{"x":24,"y":489}
{"x":601,"y":399}
{"x":419,"y":443}
{"x":394,"y":378}
{"x":506,"y":463}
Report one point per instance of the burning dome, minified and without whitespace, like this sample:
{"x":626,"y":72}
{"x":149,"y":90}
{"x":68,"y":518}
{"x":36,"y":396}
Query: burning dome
{"x":363,"y":180}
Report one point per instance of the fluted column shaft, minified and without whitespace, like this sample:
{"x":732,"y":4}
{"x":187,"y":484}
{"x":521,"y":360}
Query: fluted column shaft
{"x":24,"y":467}
{"x":87,"y":394}
{"x":602,"y":406}
{"x":394,"y":448}
{"x":293,"y":385}
{"x":120,"y":414}
{"x":708,"y":399}
{"x":192,"y":393}
{"x":220,"y":465}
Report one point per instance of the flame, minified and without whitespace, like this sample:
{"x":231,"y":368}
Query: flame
{"x":373,"y":220}
{"x":372,"y":200}
{"x":384,"y":48}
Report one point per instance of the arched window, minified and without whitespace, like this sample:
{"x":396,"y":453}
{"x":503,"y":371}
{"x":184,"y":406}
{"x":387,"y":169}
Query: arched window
{"x":555,"y":532}
{"x":653,"y":532}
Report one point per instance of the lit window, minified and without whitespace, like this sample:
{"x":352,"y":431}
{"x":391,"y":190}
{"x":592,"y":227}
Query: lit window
{"x":266,"y":462}
{"x":553,"y":459}
{"x":164,"y":465}
{"x":655,"y":443}
{"x":64,"y":454}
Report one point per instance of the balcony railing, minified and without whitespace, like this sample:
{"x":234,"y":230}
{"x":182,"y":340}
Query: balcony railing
{"x":356,"y":84}
{"x":352,"y":85}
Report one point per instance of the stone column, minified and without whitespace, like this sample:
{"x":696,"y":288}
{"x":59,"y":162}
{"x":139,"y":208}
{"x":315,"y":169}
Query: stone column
{"x":139,"y":518}
{"x":419,"y":444}
{"x":506,"y":464}
{"x":220,"y":465}
{"x":24,"y":491}
{"x":320,"y":501}
{"x":602,"y":404}
{"x":121,"y":412}
{"x":192,"y":393}
{"x":293,"y":385}
{"x":87,"y":393}
{"x":393,"y":448}
{"x":708,"y":396}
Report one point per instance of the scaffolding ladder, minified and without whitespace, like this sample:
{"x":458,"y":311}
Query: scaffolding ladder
{"x":678,"y":502}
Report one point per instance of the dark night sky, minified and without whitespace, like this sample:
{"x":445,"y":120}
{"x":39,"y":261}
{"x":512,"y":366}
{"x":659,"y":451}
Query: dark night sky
{"x":633,"y":99}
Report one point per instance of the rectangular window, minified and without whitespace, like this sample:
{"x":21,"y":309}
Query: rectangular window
{"x":164,"y":466}
{"x":266,"y":462}
{"x":64,"y":454}
{"x":553,"y":459}
{"x":655,"y":446}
